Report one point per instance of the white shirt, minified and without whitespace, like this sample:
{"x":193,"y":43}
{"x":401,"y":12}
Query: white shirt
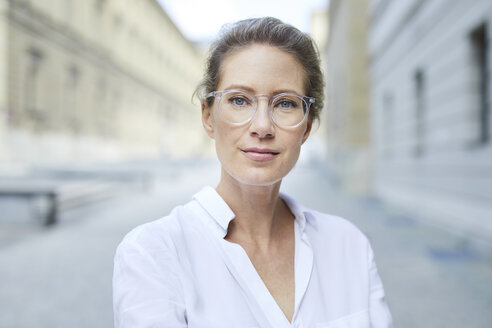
{"x":179,"y":271}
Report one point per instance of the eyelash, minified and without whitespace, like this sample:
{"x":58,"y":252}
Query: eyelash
{"x":233,"y":99}
{"x":290,"y":103}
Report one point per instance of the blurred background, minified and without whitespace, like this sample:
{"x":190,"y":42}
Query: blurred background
{"x":99,"y":133}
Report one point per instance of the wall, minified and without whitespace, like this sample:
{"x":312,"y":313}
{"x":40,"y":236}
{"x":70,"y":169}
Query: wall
{"x":347,"y":114}
{"x":99,"y":80}
{"x":430,"y":100}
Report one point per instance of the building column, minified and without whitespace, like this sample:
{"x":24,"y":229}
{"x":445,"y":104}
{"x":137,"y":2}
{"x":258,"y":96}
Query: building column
{"x":4,"y":59}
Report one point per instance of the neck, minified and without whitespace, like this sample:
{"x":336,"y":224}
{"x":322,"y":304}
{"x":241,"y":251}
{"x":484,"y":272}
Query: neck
{"x":261,"y":215}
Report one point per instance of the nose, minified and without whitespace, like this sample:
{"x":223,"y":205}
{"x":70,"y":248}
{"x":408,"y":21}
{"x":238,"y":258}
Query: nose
{"x":261,"y":124}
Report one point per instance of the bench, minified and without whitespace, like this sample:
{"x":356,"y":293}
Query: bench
{"x":59,"y":196}
{"x":140,"y":178}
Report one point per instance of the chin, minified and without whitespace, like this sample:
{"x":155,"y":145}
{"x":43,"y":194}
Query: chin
{"x":253,"y":179}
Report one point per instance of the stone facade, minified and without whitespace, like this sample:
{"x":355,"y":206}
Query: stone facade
{"x":95,"y":80}
{"x":347,"y":112}
{"x":314,"y":150}
{"x":430,"y":66}
{"x":3,"y":75}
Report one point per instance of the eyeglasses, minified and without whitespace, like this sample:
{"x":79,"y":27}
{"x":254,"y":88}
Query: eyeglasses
{"x":287,"y":110}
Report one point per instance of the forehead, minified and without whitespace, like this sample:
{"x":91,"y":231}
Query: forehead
{"x":262,"y":68}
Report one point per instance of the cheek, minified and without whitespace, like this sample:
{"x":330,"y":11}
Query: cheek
{"x":295,"y":147}
{"x":225,"y":139}
{"x":298,"y":141}
{"x":296,"y":150}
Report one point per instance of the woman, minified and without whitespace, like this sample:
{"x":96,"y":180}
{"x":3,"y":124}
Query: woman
{"x":243,"y":255}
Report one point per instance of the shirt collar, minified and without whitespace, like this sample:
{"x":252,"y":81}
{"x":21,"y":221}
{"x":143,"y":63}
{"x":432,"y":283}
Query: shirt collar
{"x":300,"y":212}
{"x":222,"y":214}
{"x":216,"y":207}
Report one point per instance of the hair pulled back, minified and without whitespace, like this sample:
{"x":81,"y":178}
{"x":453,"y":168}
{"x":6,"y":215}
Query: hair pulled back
{"x":271,"y":31}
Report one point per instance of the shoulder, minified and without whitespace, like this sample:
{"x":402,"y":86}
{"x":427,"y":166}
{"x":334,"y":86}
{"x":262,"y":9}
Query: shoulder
{"x":333,"y":225}
{"x":154,"y":236}
{"x":336,"y":240}
{"x":325,"y":226}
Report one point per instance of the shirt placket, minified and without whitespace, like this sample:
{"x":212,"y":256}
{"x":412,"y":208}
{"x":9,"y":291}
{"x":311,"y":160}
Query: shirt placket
{"x":303,"y":262}
{"x":257,"y":294}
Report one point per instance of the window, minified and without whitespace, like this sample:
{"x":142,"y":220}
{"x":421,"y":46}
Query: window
{"x":70,"y":98}
{"x":99,"y":109}
{"x":480,"y":53}
{"x":97,"y":20}
{"x":388,"y":125}
{"x":99,"y":5}
{"x":420,"y":129}
{"x":68,"y":11}
{"x":31,"y":99}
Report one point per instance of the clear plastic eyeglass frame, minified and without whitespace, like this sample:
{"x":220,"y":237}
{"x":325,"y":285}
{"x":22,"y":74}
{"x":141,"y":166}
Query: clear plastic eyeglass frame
{"x":271,"y":100}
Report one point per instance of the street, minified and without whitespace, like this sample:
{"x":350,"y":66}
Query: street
{"x":61,"y":276}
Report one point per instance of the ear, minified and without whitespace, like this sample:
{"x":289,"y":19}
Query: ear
{"x":207,"y":119}
{"x":308,"y":129}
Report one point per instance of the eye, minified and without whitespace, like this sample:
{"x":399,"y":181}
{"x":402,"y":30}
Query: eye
{"x":237,"y":101}
{"x":286,"y":104}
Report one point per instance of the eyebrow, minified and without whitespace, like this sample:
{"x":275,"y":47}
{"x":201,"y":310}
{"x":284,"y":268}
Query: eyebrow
{"x":251,"y":90}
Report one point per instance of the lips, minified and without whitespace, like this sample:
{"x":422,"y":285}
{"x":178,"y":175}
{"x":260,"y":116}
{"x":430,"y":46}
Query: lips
{"x":260,"y":154}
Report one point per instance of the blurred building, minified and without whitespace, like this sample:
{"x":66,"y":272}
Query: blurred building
{"x":347,"y":113}
{"x":430,"y":99}
{"x":314,"y":149}
{"x":95,"y":80}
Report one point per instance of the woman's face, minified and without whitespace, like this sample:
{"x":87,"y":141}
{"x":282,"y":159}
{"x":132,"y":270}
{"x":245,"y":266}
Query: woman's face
{"x":259,"y":152}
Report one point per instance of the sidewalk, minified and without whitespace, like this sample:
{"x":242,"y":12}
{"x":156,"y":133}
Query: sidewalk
{"x":432,"y":278}
{"x":61,"y":277}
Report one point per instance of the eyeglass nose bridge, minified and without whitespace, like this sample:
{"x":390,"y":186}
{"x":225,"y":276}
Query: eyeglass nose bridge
{"x":263,"y":96}
{"x":269,"y":107}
